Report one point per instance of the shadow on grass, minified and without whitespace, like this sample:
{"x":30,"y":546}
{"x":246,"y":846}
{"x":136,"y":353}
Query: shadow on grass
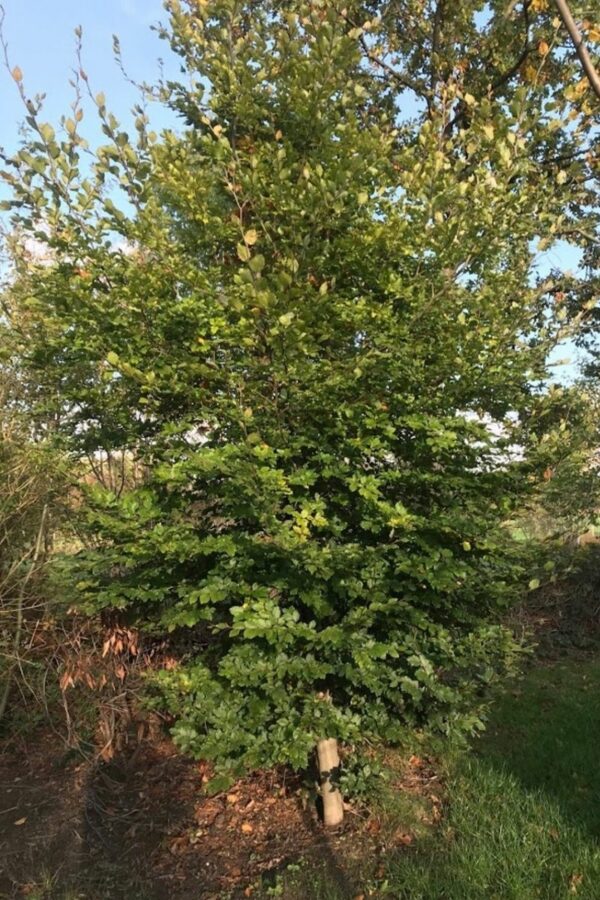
{"x":523,"y":814}
{"x":546,"y":733}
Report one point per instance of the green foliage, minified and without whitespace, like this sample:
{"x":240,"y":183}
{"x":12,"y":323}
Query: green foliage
{"x":313,"y":318}
{"x":360,"y":775}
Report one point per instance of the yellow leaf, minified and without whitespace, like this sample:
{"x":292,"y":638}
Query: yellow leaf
{"x":251,"y":236}
{"x":17,"y":74}
{"x":574,"y":92}
{"x":247,"y":828}
{"x":543,"y":48}
{"x":530,"y":73}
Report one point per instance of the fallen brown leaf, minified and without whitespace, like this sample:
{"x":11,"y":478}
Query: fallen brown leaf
{"x":178,"y":845}
{"x":404,"y":838}
{"x":575,"y":883}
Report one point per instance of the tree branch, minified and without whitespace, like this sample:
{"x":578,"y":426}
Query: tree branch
{"x":400,"y":77}
{"x":580,"y":48}
{"x":435,"y":44}
{"x":502,"y":79}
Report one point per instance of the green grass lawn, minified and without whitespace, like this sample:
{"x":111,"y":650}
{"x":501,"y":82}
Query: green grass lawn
{"x":522,"y":811}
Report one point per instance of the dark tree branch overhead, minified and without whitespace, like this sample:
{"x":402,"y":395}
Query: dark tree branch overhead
{"x":506,"y":76}
{"x":435,"y":41}
{"x":400,"y":78}
{"x":580,"y":48}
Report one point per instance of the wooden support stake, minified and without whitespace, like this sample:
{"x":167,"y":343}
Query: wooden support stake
{"x":329,"y":767}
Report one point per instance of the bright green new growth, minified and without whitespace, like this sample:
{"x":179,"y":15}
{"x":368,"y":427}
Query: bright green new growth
{"x":316,"y":327}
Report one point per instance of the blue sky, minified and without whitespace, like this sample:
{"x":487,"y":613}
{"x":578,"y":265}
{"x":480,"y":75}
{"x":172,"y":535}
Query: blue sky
{"x":42,"y":43}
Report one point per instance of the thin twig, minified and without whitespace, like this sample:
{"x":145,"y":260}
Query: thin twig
{"x":20,"y":603}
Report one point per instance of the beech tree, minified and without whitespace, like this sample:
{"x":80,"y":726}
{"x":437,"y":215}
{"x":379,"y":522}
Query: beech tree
{"x":312,"y":314}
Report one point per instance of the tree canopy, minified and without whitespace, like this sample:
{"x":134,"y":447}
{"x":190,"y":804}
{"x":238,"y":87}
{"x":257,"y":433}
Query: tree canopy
{"x":313,"y":316}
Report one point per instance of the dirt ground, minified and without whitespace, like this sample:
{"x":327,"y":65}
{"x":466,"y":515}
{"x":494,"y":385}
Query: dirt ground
{"x":140,"y":827}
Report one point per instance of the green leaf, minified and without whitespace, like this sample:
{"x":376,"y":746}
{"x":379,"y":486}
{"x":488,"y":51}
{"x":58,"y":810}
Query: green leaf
{"x":218,"y":784}
{"x":257,"y":263}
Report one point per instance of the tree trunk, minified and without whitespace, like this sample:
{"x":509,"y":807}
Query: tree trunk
{"x":329,"y":767}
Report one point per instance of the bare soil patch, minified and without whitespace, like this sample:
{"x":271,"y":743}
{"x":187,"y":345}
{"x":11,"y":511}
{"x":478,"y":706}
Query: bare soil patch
{"x":140,"y":826}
